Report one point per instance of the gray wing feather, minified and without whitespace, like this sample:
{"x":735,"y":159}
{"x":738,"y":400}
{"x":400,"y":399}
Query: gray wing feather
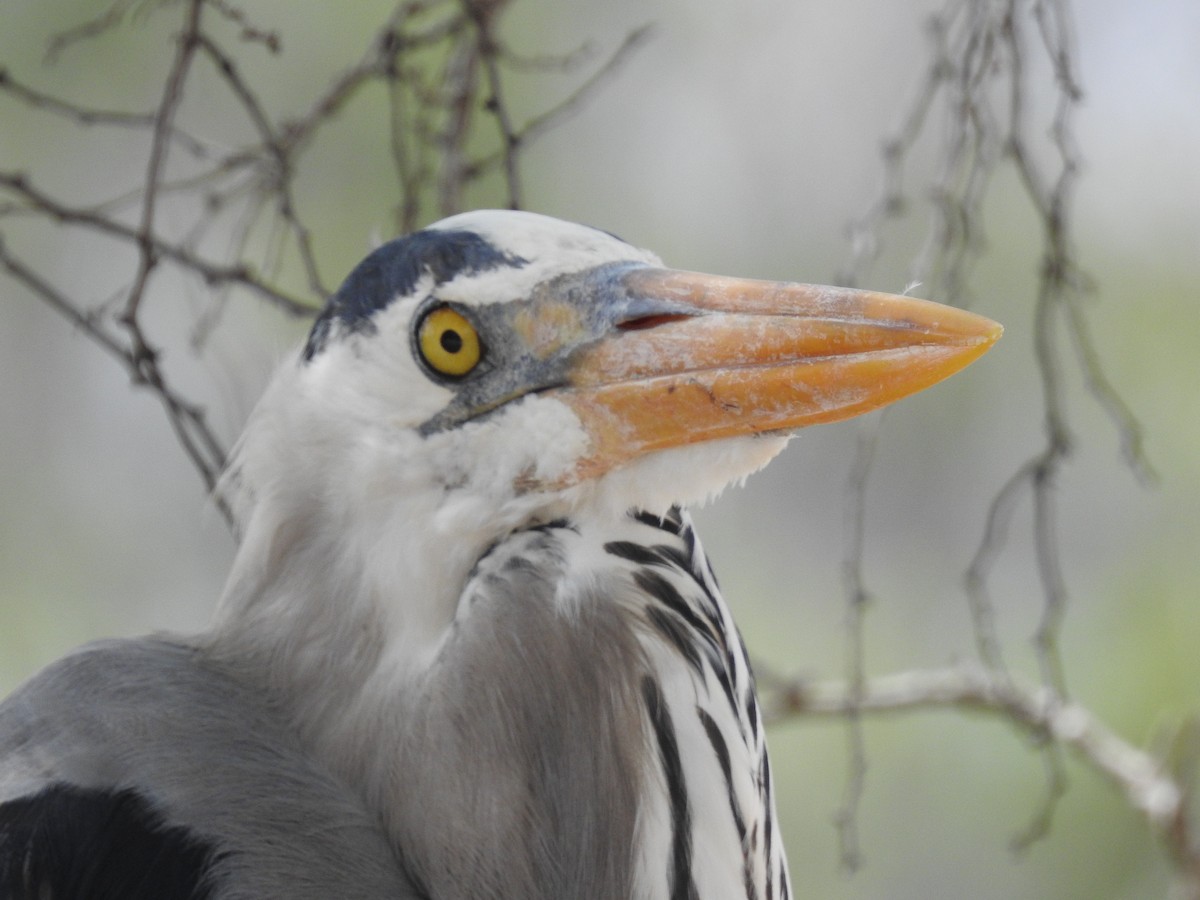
{"x":207,"y":752}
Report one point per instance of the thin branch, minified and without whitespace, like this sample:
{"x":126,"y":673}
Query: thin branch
{"x":1055,"y":283}
{"x":979,"y":75}
{"x":995,"y":537}
{"x":460,"y":81}
{"x":188,"y":421}
{"x":86,"y":116}
{"x":1039,"y":712}
{"x":106,"y":21}
{"x":857,"y":600}
{"x":269,"y":38}
{"x":212,"y":273}
{"x":483,"y":15}
{"x":378,"y":62}
{"x":549,"y":62}
{"x":406,"y":162}
{"x":281,"y":184}
{"x":185,"y":50}
{"x":61,"y":305}
{"x":556,"y":115}
{"x":1129,"y":430}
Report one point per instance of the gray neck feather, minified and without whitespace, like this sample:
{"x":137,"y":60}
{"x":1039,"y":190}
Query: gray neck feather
{"x":503,"y":767}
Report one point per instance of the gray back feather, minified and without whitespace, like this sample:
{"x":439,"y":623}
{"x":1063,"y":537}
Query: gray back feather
{"x":152,"y":716}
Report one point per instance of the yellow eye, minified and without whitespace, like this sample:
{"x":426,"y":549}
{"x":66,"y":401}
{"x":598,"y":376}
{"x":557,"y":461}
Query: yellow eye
{"x":448,"y":342}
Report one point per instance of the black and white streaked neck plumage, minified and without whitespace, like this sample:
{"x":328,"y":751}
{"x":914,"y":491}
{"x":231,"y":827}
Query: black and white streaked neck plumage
{"x":468,"y":605}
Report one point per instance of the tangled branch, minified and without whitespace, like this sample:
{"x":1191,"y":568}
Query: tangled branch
{"x":978,"y":82}
{"x":443,"y":66}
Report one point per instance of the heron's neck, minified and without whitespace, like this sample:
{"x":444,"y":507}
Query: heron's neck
{"x":337,"y":608}
{"x":349,"y":576}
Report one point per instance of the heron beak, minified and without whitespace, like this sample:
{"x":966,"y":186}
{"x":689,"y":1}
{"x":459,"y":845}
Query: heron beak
{"x":722,"y":357}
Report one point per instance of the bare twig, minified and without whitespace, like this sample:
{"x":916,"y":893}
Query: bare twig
{"x":269,"y":38}
{"x":213,"y":274}
{"x":981,"y":54}
{"x":460,"y":84}
{"x":86,"y":116}
{"x":185,"y":50}
{"x":107,"y":20}
{"x":281,"y":182}
{"x":554,"y":117}
{"x":1039,"y":711}
{"x":857,"y":601}
{"x":1036,"y":709}
{"x":187,"y":419}
{"x":483,"y":14}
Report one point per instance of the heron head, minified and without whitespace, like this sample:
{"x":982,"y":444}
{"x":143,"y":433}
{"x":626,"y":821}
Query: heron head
{"x":516,"y":357}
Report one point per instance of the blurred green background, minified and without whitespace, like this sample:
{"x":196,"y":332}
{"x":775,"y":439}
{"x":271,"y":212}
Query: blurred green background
{"x":741,"y":140}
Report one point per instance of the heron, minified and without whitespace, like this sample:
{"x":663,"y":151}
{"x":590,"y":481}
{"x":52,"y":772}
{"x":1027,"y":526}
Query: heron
{"x":470,"y":645}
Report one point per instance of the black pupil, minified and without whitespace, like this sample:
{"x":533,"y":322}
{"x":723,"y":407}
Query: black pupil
{"x":451,"y":341}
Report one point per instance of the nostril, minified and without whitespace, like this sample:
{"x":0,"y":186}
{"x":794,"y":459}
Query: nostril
{"x":641,"y":323}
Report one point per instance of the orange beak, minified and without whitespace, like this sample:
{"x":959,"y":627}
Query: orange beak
{"x":728,"y":356}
